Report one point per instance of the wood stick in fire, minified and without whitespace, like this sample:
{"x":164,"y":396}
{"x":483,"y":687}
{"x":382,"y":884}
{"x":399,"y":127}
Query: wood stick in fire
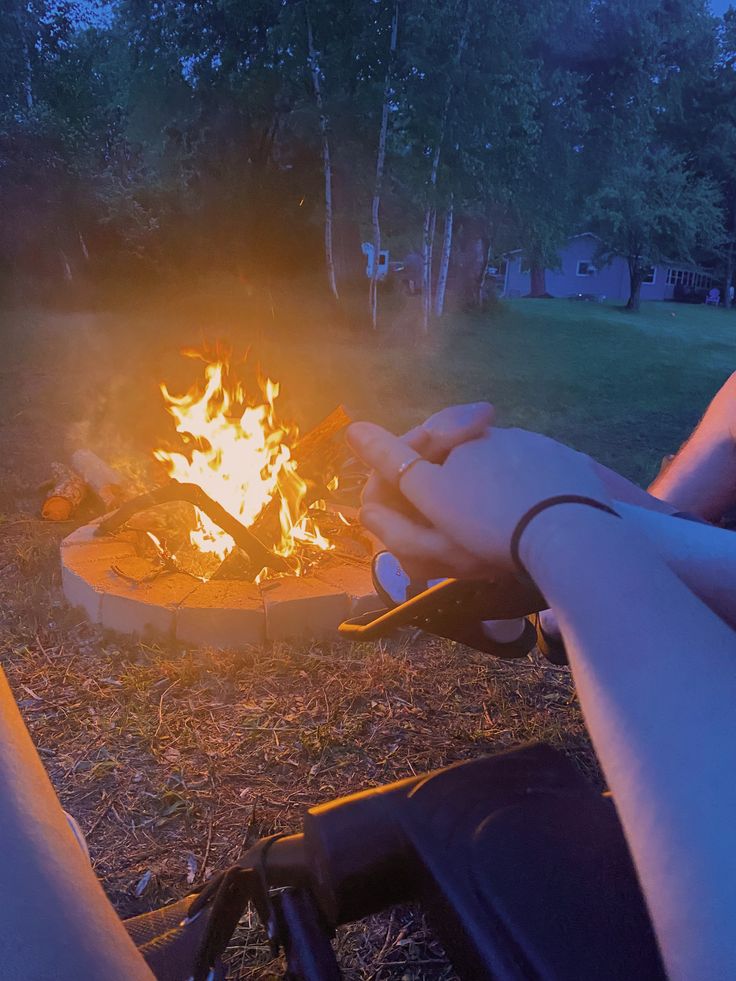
{"x":319,"y":455}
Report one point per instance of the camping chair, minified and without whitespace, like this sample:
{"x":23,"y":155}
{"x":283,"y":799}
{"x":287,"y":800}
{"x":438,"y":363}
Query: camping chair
{"x":713,"y":298}
{"x":519,"y":865}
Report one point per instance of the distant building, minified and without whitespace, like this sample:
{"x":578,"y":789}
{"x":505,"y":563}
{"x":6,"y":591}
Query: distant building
{"x":578,"y":273}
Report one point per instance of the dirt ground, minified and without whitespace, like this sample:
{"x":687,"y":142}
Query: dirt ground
{"x":175,"y":760}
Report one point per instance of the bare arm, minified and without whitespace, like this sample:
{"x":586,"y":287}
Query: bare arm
{"x":702,"y":556}
{"x":655,"y":668}
{"x":56,"y":920}
{"x":656,"y":675}
{"x":702,"y":476}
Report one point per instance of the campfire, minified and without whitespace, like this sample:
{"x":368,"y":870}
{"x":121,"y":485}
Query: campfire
{"x":242,"y":501}
{"x":241,"y":454}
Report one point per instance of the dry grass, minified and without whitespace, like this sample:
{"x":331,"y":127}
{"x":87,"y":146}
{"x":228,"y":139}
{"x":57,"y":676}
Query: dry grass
{"x":175,"y":760}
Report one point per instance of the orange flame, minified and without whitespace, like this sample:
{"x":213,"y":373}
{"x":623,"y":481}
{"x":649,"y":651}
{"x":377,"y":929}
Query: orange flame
{"x":239,"y":453}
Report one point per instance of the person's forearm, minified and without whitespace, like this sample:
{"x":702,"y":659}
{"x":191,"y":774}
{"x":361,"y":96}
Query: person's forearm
{"x":56,"y":920}
{"x":656,"y":676}
{"x":701,"y":555}
{"x":620,"y":488}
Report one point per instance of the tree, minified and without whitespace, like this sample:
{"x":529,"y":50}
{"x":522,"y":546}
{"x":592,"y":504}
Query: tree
{"x":380,"y":166}
{"x":704,"y":130}
{"x":460,"y":135}
{"x":183,"y":137}
{"x":548,"y":196}
{"x":653,"y":208}
{"x":51,"y":123}
{"x":316,"y":73}
{"x":430,"y":209}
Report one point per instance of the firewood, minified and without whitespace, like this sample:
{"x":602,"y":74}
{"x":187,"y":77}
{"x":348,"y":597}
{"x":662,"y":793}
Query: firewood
{"x":320,"y":452}
{"x":193,"y":494}
{"x":319,"y":455}
{"x":109,"y":485}
{"x":65,"y":496}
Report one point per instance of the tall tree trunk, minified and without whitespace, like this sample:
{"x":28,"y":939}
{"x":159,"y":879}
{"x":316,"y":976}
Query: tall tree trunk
{"x":538,"y":281}
{"x":635,"y":278}
{"x":430,"y":213}
{"x":380,"y":165}
{"x":326,"y":159}
{"x":439,"y":300}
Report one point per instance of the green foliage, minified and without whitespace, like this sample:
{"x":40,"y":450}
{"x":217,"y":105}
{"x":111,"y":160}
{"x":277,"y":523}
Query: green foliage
{"x":652,"y":208}
{"x":180,"y":137}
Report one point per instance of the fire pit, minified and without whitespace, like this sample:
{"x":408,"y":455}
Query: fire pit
{"x":243,"y":543}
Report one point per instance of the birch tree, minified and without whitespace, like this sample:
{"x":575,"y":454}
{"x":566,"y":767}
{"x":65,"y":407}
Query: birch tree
{"x":430,"y":211}
{"x":439,"y":299}
{"x":314,"y":67}
{"x":380,"y":167}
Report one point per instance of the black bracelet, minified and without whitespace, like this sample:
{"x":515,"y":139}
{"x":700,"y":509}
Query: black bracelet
{"x":550,"y":502}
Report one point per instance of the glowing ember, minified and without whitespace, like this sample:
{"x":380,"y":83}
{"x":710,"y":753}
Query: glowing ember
{"x":239,"y":452}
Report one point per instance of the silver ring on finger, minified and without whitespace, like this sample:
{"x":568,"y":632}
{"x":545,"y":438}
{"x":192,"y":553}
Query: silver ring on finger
{"x":406,"y":467}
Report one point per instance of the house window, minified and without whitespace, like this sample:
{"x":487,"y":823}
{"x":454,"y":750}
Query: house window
{"x":686,"y":277}
{"x":586,"y":268}
{"x":648,"y":278}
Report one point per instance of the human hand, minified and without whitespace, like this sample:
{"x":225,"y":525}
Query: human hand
{"x":433,"y":440}
{"x":475,"y":498}
{"x":436,"y":557}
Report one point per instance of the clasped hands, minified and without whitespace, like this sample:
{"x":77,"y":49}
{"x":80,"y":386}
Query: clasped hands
{"x":445,"y":497}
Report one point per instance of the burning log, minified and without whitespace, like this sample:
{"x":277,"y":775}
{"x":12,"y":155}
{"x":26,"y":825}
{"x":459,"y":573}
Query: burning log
{"x":321,"y":452}
{"x":107,"y":483}
{"x":259,"y":555}
{"x":319,"y":455}
{"x":65,"y":496}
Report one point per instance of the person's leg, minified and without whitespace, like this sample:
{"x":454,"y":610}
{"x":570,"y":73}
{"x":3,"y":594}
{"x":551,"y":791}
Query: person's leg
{"x":702,"y":475}
{"x":700,"y":479}
{"x":57,"y":921}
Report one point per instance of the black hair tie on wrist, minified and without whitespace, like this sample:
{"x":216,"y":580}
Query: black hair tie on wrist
{"x":550,"y":502}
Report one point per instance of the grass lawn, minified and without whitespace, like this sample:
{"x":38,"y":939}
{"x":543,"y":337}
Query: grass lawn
{"x":174,"y":759}
{"x":625,"y":388}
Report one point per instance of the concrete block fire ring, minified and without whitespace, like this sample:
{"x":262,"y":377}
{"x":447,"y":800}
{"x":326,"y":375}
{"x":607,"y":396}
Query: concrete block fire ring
{"x":104,"y":577}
